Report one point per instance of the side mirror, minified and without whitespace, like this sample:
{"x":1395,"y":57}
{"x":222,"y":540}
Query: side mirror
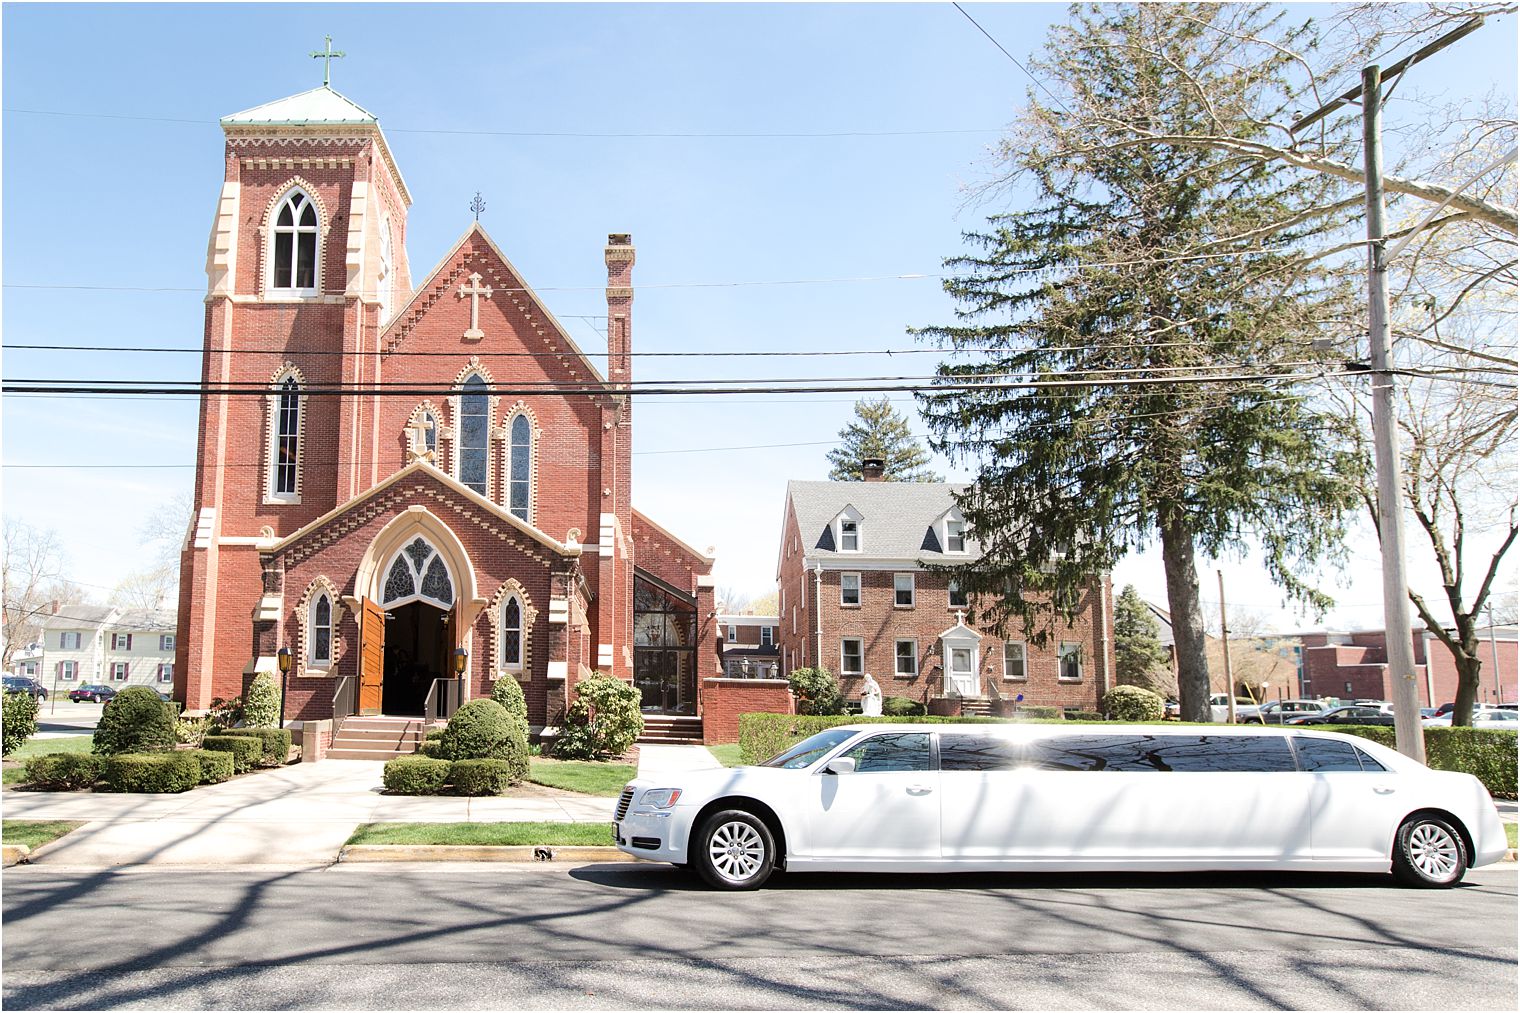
{"x":840,"y":765}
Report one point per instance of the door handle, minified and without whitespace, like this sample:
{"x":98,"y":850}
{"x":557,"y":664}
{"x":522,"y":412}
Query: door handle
{"x":1382,"y":789}
{"x":919,"y":789}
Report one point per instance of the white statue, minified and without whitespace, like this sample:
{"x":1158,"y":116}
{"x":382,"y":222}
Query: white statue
{"x":870,"y":698}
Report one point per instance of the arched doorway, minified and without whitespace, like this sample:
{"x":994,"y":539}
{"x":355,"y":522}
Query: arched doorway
{"x":418,"y":598}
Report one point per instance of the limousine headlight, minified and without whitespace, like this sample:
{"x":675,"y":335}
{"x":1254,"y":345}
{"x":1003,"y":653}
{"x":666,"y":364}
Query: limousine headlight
{"x":660,"y":798}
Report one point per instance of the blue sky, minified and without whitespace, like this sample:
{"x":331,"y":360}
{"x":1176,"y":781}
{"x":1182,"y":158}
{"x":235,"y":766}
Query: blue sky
{"x":121,"y":199}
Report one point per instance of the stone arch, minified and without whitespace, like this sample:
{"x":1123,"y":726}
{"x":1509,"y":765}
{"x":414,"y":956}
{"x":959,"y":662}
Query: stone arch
{"x":321,"y":585}
{"x":511,"y":588}
{"x":369,"y":579}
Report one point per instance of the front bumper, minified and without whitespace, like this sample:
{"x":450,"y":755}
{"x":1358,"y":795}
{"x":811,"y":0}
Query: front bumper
{"x":657,"y":835}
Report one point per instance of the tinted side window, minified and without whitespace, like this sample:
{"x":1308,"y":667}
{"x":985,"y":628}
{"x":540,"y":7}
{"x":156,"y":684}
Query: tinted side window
{"x":973,"y":752}
{"x":1226,"y":753}
{"x":893,"y":751}
{"x":1368,"y":763}
{"x":1098,"y":752}
{"x":1326,"y":754}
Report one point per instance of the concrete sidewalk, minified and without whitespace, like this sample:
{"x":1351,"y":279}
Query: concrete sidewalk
{"x":295,"y":815}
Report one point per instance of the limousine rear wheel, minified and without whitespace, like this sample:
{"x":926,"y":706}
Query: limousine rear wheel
{"x":734,"y":850}
{"x":1428,"y":852}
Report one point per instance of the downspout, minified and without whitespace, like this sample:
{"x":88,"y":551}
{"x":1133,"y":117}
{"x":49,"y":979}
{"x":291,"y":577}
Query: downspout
{"x":818,"y":614}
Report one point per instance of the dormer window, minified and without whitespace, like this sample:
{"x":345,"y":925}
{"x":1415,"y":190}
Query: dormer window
{"x":955,"y":536}
{"x":849,"y":535}
{"x":295,"y":246}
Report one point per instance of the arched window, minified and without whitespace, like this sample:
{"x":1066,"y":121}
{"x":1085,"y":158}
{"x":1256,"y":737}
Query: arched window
{"x":520,"y":467}
{"x":474,"y":433}
{"x":321,"y":632}
{"x":286,"y":445}
{"x":295,"y":245}
{"x":511,"y":634}
{"x":384,"y":280}
{"x":417,"y":571}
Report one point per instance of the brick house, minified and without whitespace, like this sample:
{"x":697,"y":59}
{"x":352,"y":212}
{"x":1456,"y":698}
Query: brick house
{"x":856,"y":597}
{"x":1354,"y":665}
{"x":748,"y":647}
{"x":465,"y":498}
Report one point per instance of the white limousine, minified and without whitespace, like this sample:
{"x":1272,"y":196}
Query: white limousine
{"x":958,"y":798}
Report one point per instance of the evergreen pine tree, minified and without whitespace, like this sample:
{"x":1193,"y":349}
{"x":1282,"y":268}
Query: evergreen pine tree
{"x":879,"y":430}
{"x":1138,"y":654}
{"x":1143,"y":277}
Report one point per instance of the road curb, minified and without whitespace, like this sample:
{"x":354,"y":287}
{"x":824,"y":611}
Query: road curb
{"x":530,"y":853}
{"x":15,"y":854}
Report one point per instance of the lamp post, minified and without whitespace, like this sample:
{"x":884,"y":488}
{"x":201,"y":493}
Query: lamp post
{"x":283,"y":657}
{"x":461,"y":660}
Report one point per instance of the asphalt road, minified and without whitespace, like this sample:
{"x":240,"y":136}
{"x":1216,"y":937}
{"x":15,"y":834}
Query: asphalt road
{"x":631,"y":936}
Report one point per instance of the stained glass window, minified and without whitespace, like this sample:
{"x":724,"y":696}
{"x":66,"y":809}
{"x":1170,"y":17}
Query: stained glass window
{"x":522,"y":438}
{"x":435,"y":583}
{"x":419,"y":551}
{"x":474,"y":431}
{"x":511,"y":633}
{"x":399,"y":583}
{"x":287,"y":437}
{"x":321,"y":629}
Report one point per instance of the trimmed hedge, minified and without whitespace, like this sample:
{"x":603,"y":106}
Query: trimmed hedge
{"x":64,"y":771}
{"x":1486,"y":753}
{"x":216,"y":766}
{"x":763,"y":735}
{"x":432,"y":748}
{"x":481,"y":777}
{"x":275,"y":741}
{"x":901,"y":706}
{"x":1089,"y":715}
{"x":134,"y":720}
{"x":168,"y":772}
{"x":1041,"y":713}
{"x":416,"y":775}
{"x":246,"y":750}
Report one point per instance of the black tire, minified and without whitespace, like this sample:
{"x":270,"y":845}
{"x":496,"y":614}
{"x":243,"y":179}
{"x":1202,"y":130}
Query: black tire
{"x":733,"y":850}
{"x":1429,"y":852}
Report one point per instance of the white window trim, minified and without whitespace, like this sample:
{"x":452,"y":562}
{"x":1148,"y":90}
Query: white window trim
{"x":950,"y":592}
{"x":166,"y":668}
{"x":166,"y":641}
{"x":767,"y":636}
{"x":839,"y":534}
{"x":126,"y":641}
{"x":1061,"y":662}
{"x":522,"y":615}
{"x":861,"y":654}
{"x":944,"y":534}
{"x":272,"y":232}
{"x":859,"y":591}
{"x":68,"y":671}
{"x":733,"y":633}
{"x":520,"y":410}
{"x":314,"y":663}
{"x":897,"y":671}
{"x":912,"y":589}
{"x":124,"y":668}
{"x":1024,"y":658}
{"x":272,"y":435}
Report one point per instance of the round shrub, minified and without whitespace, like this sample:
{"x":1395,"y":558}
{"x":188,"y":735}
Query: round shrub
{"x":135,"y":720}
{"x":431,"y":747}
{"x":902,"y":707}
{"x":262,"y":706}
{"x":816,"y":691}
{"x":246,"y":751}
{"x":19,"y":721}
{"x":616,"y":720}
{"x":1132,"y":703}
{"x":481,"y":777}
{"x":416,"y":775}
{"x":274,"y":741}
{"x":64,"y":771}
{"x":509,"y":694}
{"x":216,"y":766}
{"x":484,"y":730}
{"x":167,"y":772}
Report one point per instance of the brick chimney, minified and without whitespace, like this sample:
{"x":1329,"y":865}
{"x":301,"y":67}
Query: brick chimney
{"x":873,"y":469}
{"x":54,"y":606}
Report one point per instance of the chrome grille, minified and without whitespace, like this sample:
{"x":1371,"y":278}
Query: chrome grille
{"x":624,"y":801}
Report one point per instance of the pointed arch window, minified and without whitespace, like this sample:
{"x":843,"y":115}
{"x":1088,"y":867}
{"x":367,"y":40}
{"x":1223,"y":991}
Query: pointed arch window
{"x":418,"y":572}
{"x":474,"y":433}
{"x":295,"y":245}
{"x":321,"y":631}
{"x":285,"y":445}
{"x":520,"y":467}
{"x":512,"y":634}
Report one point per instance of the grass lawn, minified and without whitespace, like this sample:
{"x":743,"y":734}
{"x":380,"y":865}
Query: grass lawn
{"x":1509,"y":832}
{"x":727,"y":754}
{"x":40,"y":747}
{"x":34,"y":833}
{"x":595,"y":834}
{"x":606,"y":779}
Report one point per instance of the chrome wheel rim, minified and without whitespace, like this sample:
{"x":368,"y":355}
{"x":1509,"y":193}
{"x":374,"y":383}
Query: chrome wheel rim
{"x":736,"y":850}
{"x":1433,"y":851}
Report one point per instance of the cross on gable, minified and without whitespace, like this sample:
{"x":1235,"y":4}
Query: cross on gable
{"x":474,"y":291}
{"x":327,"y":57}
{"x":418,"y":449}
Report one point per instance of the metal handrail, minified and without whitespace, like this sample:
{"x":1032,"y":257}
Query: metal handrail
{"x":344,"y":691}
{"x":446,"y":704}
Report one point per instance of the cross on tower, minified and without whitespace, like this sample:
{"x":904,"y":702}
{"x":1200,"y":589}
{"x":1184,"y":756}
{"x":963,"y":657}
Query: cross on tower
{"x":327,"y":58}
{"x":474,"y":291}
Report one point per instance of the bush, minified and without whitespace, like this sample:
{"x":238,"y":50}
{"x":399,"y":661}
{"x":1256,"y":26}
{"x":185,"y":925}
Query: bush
{"x":1075,"y":715}
{"x":64,"y":771}
{"x":1133,"y":703}
{"x":245,"y":749}
{"x":817,"y":691}
{"x":763,"y":735}
{"x":485,"y":730}
{"x":1486,"y":753}
{"x":416,"y":775}
{"x":901,"y":706}
{"x":274,"y":741}
{"x":173,"y":771}
{"x":601,"y":722}
{"x":225,"y":713}
{"x":190,"y":731}
{"x":509,"y":694}
{"x":19,"y":721}
{"x":262,"y":706}
{"x":431,"y":747}
{"x":136,"y":720}
{"x":216,"y":766}
{"x":1041,"y":713}
{"x":575,"y":741}
{"x":481,"y":777}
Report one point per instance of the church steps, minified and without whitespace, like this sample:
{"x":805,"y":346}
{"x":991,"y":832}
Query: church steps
{"x":376,"y":738}
{"x":672,"y":730}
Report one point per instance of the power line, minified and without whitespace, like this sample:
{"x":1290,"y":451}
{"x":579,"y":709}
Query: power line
{"x":1010,"y":56}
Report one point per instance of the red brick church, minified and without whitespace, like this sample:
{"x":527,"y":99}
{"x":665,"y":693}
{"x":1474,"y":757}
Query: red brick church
{"x":417,"y":489}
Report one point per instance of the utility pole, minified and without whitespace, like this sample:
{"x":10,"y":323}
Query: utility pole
{"x":1493,"y":647}
{"x":1224,"y":636}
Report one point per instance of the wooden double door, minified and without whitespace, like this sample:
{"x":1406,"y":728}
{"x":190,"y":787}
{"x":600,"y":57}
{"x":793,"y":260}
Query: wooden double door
{"x":401,"y":652}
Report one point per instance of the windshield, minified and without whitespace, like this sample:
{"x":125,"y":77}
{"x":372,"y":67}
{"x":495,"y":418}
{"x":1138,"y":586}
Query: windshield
{"x":809,"y":749}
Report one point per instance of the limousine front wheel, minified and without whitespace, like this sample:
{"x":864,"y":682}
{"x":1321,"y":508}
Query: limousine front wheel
{"x":734,"y":850}
{"x":1428,"y":852}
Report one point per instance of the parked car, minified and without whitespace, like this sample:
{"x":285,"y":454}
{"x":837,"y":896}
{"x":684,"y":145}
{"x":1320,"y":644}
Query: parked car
{"x":1219,"y":707}
{"x":91,"y":693}
{"x":25,"y":684}
{"x":1277,"y":712}
{"x":1350,"y":714}
{"x":1494,"y":717}
{"x":1173,"y":709}
{"x":935,"y":798}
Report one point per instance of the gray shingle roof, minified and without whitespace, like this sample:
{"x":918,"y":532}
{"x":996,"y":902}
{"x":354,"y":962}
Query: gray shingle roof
{"x":146,"y":619}
{"x":75,"y":617}
{"x":893,"y":517}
